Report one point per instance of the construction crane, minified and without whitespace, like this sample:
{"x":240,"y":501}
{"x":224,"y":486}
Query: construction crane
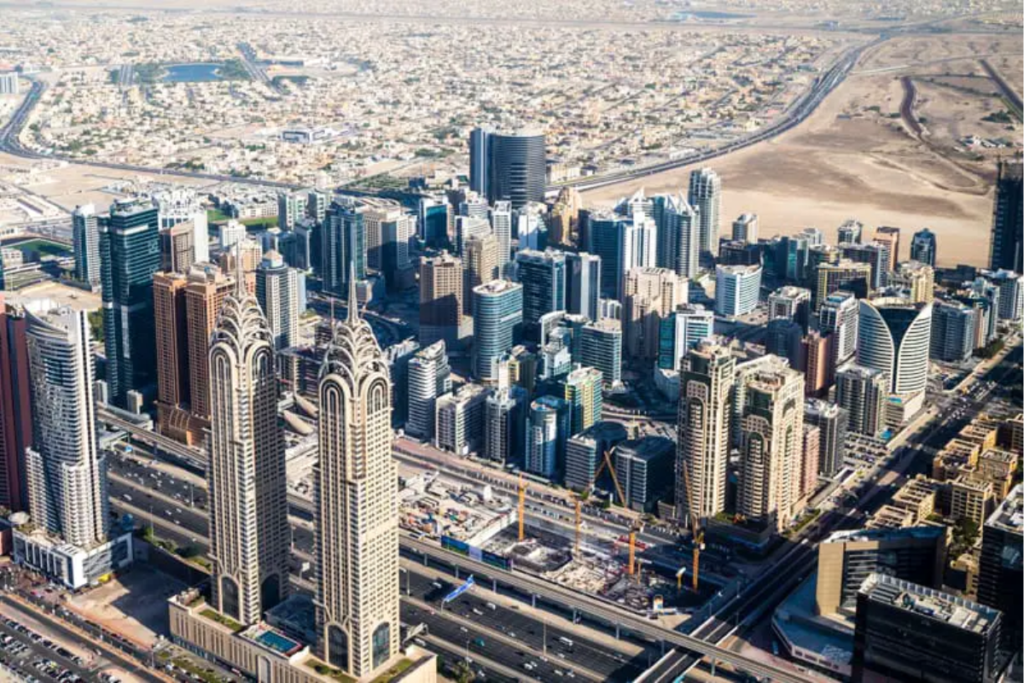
{"x":636,"y":526}
{"x":579,"y":524}
{"x":522,"y":508}
{"x":696,"y":531}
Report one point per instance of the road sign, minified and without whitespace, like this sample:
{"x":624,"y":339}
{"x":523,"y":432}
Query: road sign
{"x":460,"y":590}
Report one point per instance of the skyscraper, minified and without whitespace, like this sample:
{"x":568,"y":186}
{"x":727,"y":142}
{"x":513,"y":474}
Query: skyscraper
{"x":344,"y":243}
{"x":249,"y":533}
{"x":501,"y":226}
{"x":1006,"y":248}
{"x":744,"y":228}
{"x":605,"y":232}
{"x":497,"y":312}
{"x":682,"y":330}
{"x":435,"y":221}
{"x":177,"y":249}
{"x":924,"y":247}
{"x":831,"y":421}
{"x":564,"y":217}
{"x":652,"y":294}
{"x":861,"y":392}
{"x":531,"y":226}
{"x":291,"y":207}
{"x":181,"y":205}
{"x":890,"y":237}
{"x":280,"y":293}
{"x":582,"y":284}
{"x":389,"y":229}
{"x":172,"y":356}
{"x":542,"y":276}
{"x":771,"y":446}
{"x":1001,"y":571}
{"x":706,"y":196}
{"x":678,"y":226}
{"x":914,"y":281}
{"x":130,"y":253}
{"x":953,"y":331}
{"x":849,"y":276}
{"x":479,"y":160}
{"x":15,"y":407}
{"x":601,"y":348}
{"x":517,"y":167}
{"x":66,"y":471}
{"x":481,"y":265}
{"x":430,"y":376}
{"x":85,"y":234}
{"x":895,"y":338}
{"x":441,"y":296}
{"x":737,"y":289}
{"x":706,"y":378}
{"x":584,"y":397}
{"x":839,"y":316}
{"x":205,"y":293}
{"x":505,"y":425}
{"x":547,"y":430}
{"x":791,"y":303}
{"x":356,"y":503}
{"x":850,"y":232}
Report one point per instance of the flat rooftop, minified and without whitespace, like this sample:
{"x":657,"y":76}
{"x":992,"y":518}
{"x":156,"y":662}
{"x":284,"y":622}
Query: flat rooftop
{"x":1009,"y":516}
{"x":933,"y":604}
{"x":923,"y":532}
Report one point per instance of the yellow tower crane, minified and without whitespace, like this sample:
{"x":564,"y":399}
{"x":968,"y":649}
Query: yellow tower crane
{"x":697,"y":532}
{"x":636,"y":526}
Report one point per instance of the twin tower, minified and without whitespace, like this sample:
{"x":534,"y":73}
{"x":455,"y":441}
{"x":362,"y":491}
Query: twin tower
{"x":355,"y":486}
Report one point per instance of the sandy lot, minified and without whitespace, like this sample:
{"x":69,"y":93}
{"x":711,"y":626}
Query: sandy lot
{"x":850,"y":160}
{"x":134,"y":604}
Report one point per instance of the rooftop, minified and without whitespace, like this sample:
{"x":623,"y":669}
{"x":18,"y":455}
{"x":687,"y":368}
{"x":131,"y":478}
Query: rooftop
{"x":922,"y":532}
{"x":936,"y":605}
{"x":1009,"y":516}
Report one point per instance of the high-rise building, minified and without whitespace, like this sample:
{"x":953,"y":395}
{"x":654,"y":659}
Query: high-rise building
{"x":547,"y":430}
{"x":231,"y":232}
{"x":564,"y":217}
{"x":517,"y":167}
{"x":435,"y":221}
{"x":850,"y":232}
{"x":839,"y":317}
{"x":953,"y":331}
{"x":344,"y":243}
{"x":356,"y":504}
{"x":847,"y":276}
{"x":460,"y":419}
{"x":847,"y":558}
{"x":473,"y":205}
{"x":66,"y":471}
{"x":652,"y":294}
{"x":816,"y":359}
{"x":706,"y":379}
{"x":85,"y":234}
{"x":479,"y":159}
{"x":678,"y":226}
{"x":890,"y":237}
{"x":1011,"y":293}
{"x":389,"y":230}
{"x":441,"y":296}
{"x":914,"y":281}
{"x":280,"y":291}
{"x":924,"y":247}
{"x":737,"y":289}
{"x":643,"y":467}
{"x":542,"y":276}
{"x":481,"y":265}
{"x":790,"y":303}
{"x":583,"y":395}
{"x":249,"y":533}
{"x":783,"y":338}
{"x":497,"y":312}
{"x":895,"y":338}
{"x":907,"y":632}
{"x":832,"y":422}
{"x":1000,"y":577}
{"x":771,"y":446}
{"x":205,"y":293}
{"x":15,"y":407}
{"x":1006,"y":247}
{"x":172,"y":359}
{"x":862,"y":392}
{"x":291,"y":207}
{"x":177,"y":249}
{"x":430,"y":376}
{"x":245,"y":257}
{"x":582,"y":284}
{"x":706,"y":196}
{"x":605,"y":235}
{"x":601,"y":348}
{"x":130,"y":253}
{"x":505,"y":425}
{"x":501,"y":225}
{"x":810,"y":462}
{"x":182,"y":205}
{"x":467,"y":228}
{"x":584,"y":453}
{"x":744,"y":228}
{"x":682,"y":330}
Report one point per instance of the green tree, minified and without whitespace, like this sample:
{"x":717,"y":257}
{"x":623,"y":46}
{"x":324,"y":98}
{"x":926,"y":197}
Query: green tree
{"x":96,"y":325}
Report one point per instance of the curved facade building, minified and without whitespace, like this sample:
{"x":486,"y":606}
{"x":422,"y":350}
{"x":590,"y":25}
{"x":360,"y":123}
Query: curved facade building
{"x":497,"y":310}
{"x":355,"y":487}
{"x":894,"y":338}
{"x":517,"y":168}
{"x":249,"y":531}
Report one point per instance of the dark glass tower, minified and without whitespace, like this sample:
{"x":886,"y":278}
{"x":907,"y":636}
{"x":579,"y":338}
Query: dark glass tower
{"x":344,"y":243}
{"x":516,"y":172}
{"x":129,"y":255}
{"x":923,"y":247}
{"x":1006,"y":249}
